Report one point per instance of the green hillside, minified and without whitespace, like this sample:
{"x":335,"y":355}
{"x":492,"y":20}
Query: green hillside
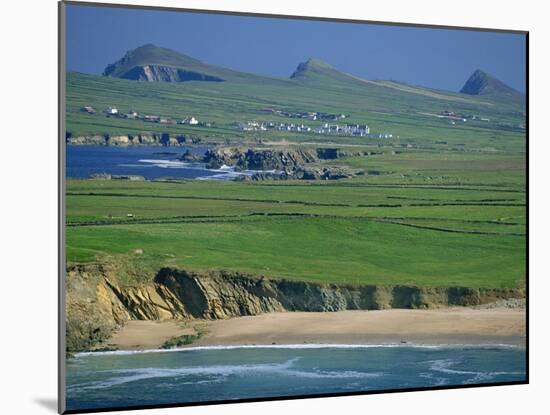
{"x":410,"y":114}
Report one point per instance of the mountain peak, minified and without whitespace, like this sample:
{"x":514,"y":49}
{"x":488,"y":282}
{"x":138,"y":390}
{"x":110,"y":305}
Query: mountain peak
{"x":317,"y":62}
{"x":147,"y":55}
{"x":153,"y":63}
{"x":482,"y":83}
{"x":147,"y":45}
{"x":311,"y":66}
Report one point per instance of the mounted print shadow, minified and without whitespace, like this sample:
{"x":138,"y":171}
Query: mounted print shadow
{"x":264,"y":207}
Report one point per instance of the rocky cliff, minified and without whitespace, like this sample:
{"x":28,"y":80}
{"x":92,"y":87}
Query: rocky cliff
{"x":280,"y":163}
{"x":163,"y":139}
{"x":483,"y":84}
{"x":97,"y":304}
{"x":163,"y":73}
{"x":260,"y":159}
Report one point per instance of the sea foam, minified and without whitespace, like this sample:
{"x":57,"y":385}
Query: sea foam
{"x":301,"y":346}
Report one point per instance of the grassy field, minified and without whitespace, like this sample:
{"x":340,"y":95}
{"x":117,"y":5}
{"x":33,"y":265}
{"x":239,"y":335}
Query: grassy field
{"x":469,"y":232}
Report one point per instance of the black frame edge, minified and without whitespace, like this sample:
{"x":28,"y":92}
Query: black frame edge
{"x":292,"y":397}
{"x":61,"y":362}
{"x":527,"y":276}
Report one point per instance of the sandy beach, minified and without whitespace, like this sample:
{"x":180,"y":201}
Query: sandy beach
{"x":148,"y":334}
{"x":441,"y":326}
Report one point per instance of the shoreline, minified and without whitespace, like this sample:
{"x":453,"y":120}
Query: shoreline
{"x":304,"y":346}
{"x":456,"y":326}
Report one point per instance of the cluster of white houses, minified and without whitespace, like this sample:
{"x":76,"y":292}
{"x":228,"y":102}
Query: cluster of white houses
{"x":279,"y":126}
{"x":133,"y":115}
{"x":311,"y":115}
{"x":359,"y":130}
{"x":348,"y":129}
{"x":453,"y":116}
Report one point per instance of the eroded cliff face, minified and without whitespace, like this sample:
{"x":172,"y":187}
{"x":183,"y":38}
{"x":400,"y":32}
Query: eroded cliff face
{"x":281,"y":163}
{"x":164,"y":73}
{"x":164,"y":139}
{"x":97,"y":305}
{"x":283,"y":159}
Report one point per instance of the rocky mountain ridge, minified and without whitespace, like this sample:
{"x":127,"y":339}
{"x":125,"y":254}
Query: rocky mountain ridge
{"x":156,"y":64}
{"x":483,"y":84}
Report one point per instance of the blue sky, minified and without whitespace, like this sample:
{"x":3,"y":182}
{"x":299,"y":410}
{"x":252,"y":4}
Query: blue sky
{"x":436,"y":58}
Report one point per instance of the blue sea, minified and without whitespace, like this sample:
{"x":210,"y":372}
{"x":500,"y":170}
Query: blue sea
{"x":149,"y":162}
{"x":198,"y":374}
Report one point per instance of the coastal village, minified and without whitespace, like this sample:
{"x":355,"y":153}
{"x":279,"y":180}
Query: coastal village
{"x":357,"y":130}
{"x":133,"y":115}
{"x":347,"y":129}
{"x":330,"y":126}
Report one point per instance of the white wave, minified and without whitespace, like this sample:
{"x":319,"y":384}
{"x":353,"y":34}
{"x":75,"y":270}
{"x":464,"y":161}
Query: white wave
{"x":136,"y":165}
{"x":438,"y":381}
{"x":445,"y":366}
{"x":216,"y":177}
{"x":217,"y":373}
{"x":222,"y":176}
{"x":303,"y":346}
{"x":171,"y":164}
{"x":163,"y":161}
{"x":225,"y":172}
{"x":332,"y":374}
{"x":229,"y":172}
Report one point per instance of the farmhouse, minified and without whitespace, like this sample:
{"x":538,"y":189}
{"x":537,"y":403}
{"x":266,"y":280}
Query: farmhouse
{"x":312,"y":115}
{"x":350,"y":129}
{"x":151,"y":118}
{"x":385,"y":135}
{"x":112,"y":111}
{"x":88,"y":109}
{"x":252,"y":126}
{"x":190,"y":121}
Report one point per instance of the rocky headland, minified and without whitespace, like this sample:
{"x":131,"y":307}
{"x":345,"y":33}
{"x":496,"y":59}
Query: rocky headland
{"x":273,"y":163}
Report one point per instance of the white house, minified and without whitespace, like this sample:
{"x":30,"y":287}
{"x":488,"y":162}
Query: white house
{"x":112,"y":111}
{"x":193,"y":121}
{"x":88,"y":109}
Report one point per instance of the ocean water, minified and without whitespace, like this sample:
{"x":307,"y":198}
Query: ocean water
{"x":114,"y":379}
{"x":149,"y":162}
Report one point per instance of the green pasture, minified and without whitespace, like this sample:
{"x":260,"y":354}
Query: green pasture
{"x":326,"y":232}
